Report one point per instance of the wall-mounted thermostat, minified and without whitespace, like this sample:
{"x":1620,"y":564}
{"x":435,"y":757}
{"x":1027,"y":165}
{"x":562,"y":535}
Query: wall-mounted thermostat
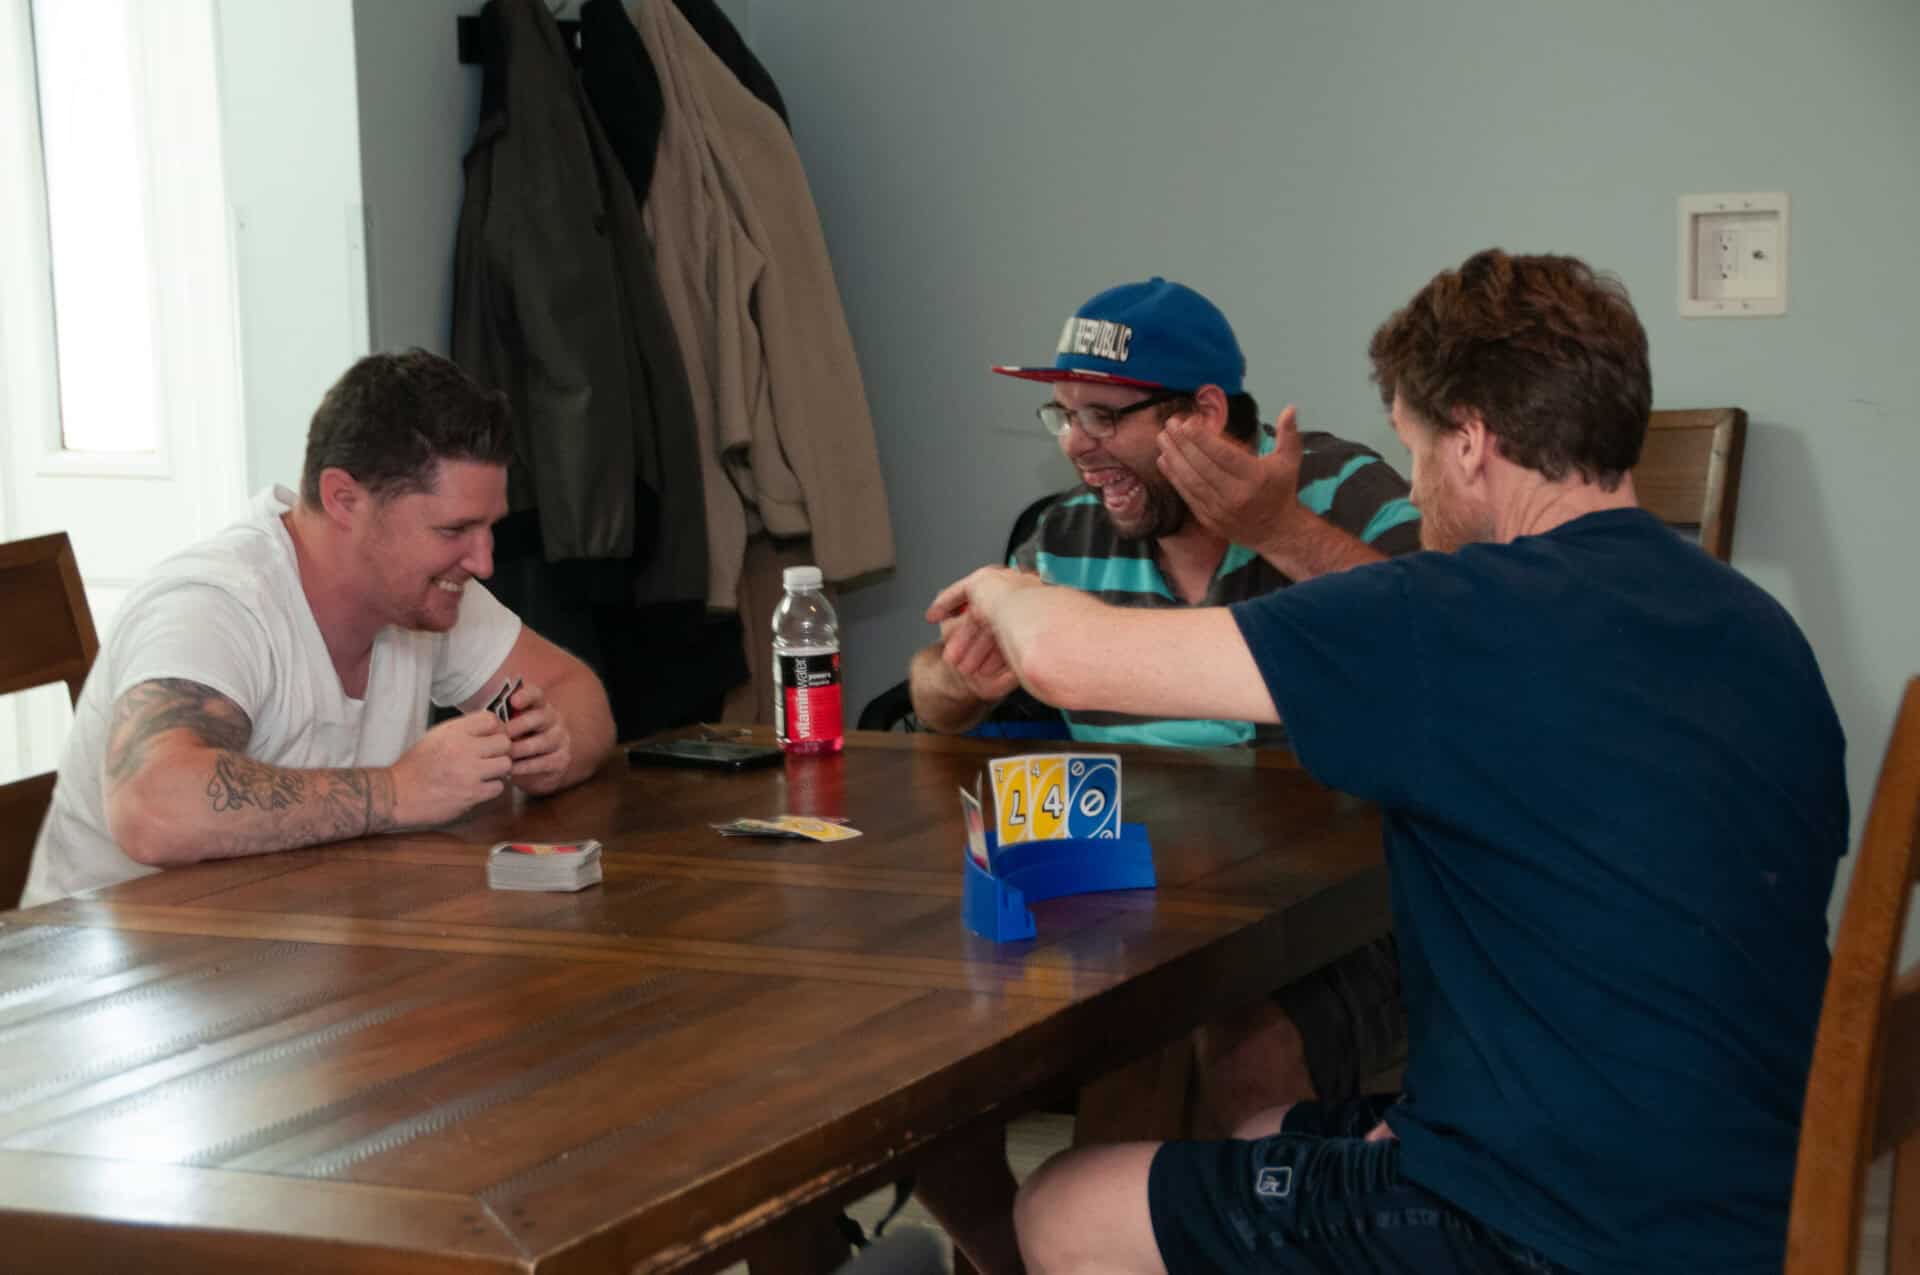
{"x":1733,"y":256}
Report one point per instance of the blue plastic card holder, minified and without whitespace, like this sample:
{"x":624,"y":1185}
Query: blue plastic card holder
{"x":995,"y":906}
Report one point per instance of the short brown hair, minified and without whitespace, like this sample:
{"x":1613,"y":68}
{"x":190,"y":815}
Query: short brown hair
{"x":1550,"y":354}
{"x":391,"y":418}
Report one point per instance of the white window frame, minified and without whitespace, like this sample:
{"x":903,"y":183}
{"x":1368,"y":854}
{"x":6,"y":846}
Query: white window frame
{"x":196,"y":329}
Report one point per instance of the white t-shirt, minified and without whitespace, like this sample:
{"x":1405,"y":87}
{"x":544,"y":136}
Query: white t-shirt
{"x":230,"y":614}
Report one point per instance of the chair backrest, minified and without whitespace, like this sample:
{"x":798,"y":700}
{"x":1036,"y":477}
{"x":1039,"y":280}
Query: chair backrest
{"x":1863,"y":1094}
{"x":47,"y":637}
{"x":49,"y":630}
{"x":1689,"y":472}
{"x":1025,"y":522}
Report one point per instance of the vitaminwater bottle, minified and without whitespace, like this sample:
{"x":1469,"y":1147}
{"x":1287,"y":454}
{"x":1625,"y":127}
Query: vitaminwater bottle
{"x":806,"y":667}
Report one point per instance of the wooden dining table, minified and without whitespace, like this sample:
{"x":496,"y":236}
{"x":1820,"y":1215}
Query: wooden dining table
{"x":360,"y":1058}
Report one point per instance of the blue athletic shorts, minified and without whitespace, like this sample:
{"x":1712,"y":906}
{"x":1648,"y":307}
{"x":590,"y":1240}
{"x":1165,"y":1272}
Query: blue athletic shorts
{"x":1316,"y":1197}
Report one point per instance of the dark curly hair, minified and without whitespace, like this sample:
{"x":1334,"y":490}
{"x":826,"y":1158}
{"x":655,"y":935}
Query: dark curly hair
{"x":391,"y":418}
{"x":1549,"y":353}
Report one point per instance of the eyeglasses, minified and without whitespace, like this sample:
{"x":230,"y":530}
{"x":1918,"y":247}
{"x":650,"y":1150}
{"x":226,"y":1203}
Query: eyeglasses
{"x":1096,"y":421}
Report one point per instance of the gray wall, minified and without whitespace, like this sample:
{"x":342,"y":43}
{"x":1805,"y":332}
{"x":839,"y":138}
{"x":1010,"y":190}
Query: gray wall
{"x":981,"y":168}
{"x":418,"y":107}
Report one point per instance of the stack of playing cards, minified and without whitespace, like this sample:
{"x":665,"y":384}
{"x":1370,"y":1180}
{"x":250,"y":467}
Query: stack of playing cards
{"x":544,"y":865}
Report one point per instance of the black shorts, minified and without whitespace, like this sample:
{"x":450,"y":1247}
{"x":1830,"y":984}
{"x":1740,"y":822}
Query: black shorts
{"x":1351,"y":1020}
{"x":1316,"y":1197}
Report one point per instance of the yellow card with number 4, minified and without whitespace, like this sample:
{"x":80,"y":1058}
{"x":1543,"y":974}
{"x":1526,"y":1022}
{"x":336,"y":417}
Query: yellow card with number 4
{"x":1047,"y":790}
{"x":1012,"y":803}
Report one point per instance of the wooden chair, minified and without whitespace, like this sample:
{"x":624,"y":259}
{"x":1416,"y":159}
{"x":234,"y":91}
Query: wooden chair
{"x":47,"y":637}
{"x":1689,"y":472}
{"x":1863,"y":1095}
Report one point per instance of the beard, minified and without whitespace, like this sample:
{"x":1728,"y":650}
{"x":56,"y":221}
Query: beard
{"x":409,"y":599}
{"x":1163,"y":512}
{"x":1446,"y":526}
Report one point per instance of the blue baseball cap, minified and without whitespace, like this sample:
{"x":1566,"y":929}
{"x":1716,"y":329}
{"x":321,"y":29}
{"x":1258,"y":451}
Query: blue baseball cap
{"x":1154,"y":335}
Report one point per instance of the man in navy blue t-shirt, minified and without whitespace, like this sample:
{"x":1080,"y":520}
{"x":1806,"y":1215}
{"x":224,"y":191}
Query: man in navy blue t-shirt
{"x":1613,"y":795}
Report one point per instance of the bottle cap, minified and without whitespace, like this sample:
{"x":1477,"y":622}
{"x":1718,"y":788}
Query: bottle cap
{"x":801,"y":578}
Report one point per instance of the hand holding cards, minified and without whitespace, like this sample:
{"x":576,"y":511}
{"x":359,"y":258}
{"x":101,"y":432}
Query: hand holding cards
{"x":501,"y":705}
{"x":541,"y":745}
{"x":543,"y":865}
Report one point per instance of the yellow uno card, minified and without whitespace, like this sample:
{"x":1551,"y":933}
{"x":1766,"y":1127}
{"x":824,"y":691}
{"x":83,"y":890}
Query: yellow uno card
{"x":1047,"y":790}
{"x":1012,"y":806}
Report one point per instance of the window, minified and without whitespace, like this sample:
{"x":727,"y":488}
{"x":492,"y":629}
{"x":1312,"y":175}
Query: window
{"x":95,"y":161}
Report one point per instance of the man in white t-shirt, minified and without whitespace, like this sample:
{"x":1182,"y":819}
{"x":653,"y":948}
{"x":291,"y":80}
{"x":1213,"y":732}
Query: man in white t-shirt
{"x":269,"y":688}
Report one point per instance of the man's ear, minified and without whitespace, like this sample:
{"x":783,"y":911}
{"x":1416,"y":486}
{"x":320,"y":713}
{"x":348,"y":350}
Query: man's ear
{"x":342,"y":499}
{"x":1210,"y":406}
{"x":1469,"y":444}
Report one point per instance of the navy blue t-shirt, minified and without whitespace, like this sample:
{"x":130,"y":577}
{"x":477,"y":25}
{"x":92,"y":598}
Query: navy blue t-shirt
{"x":1613,"y":794}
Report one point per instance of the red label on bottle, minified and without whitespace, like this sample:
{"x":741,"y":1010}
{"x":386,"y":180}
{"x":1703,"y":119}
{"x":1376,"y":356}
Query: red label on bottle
{"x":806,"y":699}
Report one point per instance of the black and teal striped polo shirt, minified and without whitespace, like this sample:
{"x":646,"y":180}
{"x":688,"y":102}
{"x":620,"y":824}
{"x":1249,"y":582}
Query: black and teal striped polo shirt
{"x":1076,"y":545}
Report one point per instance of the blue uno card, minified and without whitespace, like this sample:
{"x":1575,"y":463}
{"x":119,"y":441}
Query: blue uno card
{"x":1093,"y":796}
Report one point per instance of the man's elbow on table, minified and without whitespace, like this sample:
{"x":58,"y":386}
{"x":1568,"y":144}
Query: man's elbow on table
{"x":143,"y":822}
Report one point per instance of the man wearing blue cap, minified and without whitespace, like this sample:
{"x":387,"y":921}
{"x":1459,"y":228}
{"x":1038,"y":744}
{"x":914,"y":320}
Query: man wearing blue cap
{"x":1261,"y":509}
{"x":1250,"y":512}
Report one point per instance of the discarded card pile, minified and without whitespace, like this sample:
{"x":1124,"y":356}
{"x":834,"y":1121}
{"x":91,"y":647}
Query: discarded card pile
{"x":544,"y":865}
{"x":789,"y":827}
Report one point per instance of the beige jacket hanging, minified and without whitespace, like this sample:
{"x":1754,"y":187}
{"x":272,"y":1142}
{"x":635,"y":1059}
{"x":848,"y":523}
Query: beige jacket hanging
{"x":750,"y":290}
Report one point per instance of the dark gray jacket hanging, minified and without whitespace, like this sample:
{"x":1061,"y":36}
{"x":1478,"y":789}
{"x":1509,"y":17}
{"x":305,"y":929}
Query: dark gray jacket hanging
{"x":556,"y":303}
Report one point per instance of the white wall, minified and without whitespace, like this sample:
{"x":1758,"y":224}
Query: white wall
{"x":982,"y":168}
{"x":293,"y":176}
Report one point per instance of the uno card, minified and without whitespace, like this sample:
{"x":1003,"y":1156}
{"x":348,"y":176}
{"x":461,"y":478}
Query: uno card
{"x":797,"y":827}
{"x":1012,"y":805}
{"x":1093,"y":795}
{"x":1047,"y":789}
{"x":976,"y":823}
{"x":501,"y":705}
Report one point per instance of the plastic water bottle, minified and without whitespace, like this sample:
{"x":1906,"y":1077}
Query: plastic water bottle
{"x":806,"y":667}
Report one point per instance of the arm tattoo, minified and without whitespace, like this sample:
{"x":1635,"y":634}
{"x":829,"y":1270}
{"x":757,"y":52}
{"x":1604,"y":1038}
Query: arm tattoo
{"x":151,"y":709}
{"x":241,"y":781}
{"x":327,"y":805}
{"x":272,"y":806}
